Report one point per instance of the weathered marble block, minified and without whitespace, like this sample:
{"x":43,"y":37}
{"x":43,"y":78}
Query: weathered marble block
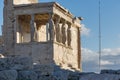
{"x":8,"y":75}
{"x":44,"y":69}
{"x":16,"y":63}
{"x":21,"y":63}
{"x":61,"y":75}
{"x":3,"y":64}
{"x":27,"y":75}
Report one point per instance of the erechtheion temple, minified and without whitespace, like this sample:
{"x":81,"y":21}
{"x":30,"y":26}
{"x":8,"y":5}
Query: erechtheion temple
{"x":47,"y":32}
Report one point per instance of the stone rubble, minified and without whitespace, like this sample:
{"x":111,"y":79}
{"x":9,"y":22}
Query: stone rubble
{"x":16,"y":63}
{"x":22,"y":68}
{"x":110,"y":72}
{"x":8,"y":75}
{"x":27,"y":75}
{"x":100,"y":77}
{"x":57,"y":43}
{"x":47,"y":32}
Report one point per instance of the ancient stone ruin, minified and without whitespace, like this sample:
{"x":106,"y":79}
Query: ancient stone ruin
{"x":47,"y":32}
{"x":40,"y":41}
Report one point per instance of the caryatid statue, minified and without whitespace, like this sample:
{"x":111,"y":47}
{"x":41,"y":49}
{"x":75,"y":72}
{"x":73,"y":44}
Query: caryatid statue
{"x":51,"y":27}
{"x":33,"y":29}
{"x":63,"y":31}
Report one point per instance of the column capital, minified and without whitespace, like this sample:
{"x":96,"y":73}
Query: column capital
{"x":64,"y":21}
{"x":32,"y":17}
{"x":51,"y":15}
{"x":58,"y":19}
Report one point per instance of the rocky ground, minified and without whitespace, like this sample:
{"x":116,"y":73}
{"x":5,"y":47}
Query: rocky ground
{"x":22,"y":68}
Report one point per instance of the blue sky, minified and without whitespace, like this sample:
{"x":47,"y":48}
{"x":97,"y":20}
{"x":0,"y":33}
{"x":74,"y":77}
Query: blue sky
{"x":110,"y":27}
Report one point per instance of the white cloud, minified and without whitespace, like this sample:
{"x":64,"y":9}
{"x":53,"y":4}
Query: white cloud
{"x":88,"y":55}
{"x":112,"y":52}
{"x":105,"y":62}
{"x":89,"y":60}
{"x":84,"y":30}
{"x":109,"y":60}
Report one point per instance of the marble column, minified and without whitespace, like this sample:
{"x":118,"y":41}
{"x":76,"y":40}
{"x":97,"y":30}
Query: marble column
{"x":79,"y":48}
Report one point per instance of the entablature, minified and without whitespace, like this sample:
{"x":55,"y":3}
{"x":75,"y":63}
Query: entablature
{"x":45,"y":8}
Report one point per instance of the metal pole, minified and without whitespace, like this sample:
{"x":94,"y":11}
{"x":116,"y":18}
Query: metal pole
{"x":99,"y":35}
